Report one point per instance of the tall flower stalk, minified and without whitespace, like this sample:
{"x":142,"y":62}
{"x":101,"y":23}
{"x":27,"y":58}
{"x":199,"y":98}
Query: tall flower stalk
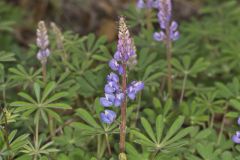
{"x":42,"y":43}
{"x":167,"y":34}
{"x":42,"y":55}
{"x":116,"y":93}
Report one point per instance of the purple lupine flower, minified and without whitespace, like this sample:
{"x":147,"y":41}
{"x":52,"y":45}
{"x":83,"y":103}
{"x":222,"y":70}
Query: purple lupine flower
{"x":108,"y":100}
{"x":134,"y":88}
{"x":164,"y":18}
{"x":108,"y":116}
{"x":124,"y":56}
{"x":140,"y":4}
{"x":42,"y":42}
{"x":125,"y":47}
{"x":238,"y":121}
{"x":236,"y":137}
{"x":159,"y":36}
{"x":112,"y":77}
{"x":149,"y":4}
{"x":118,"y":99}
{"x":165,"y":13}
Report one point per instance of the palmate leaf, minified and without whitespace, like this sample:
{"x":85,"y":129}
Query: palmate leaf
{"x":43,"y":105}
{"x":6,"y":57}
{"x":22,"y":76}
{"x":165,"y":139}
{"x":16,"y":143}
{"x":185,"y":66}
{"x":92,"y":126}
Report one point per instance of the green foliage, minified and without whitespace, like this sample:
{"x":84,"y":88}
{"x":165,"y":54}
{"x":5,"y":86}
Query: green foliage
{"x":58,"y":118}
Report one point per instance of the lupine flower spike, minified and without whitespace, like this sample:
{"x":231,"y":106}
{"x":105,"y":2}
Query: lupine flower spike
{"x":116,"y":93}
{"x":148,"y":4}
{"x":42,"y":43}
{"x":236,"y":137}
{"x":167,"y":34}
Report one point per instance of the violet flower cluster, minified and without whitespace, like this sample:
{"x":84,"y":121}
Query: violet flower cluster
{"x":148,"y":4}
{"x":114,"y":94}
{"x":236,"y":137}
{"x":169,"y":29}
{"x":42,"y":42}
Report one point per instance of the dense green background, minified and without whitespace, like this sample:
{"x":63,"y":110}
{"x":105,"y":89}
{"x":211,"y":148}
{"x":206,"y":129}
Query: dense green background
{"x":206,"y":59}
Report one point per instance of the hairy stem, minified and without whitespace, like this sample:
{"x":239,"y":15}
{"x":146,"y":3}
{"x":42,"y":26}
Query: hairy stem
{"x":169,"y":59}
{"x":123,"y":112}
{"x":183,"y":87}
{"x":108,"y":145}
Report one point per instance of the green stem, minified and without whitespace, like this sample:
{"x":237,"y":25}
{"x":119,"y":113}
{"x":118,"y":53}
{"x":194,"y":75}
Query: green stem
{"x":36,"y":137}
{"x":108,"y":145}
{"x":222,"y":127}
{"x":138,"y":109}
{"x":183,"y":87}
{"x":169,"y":59}
{"x":44,"y":72}
{"x":5,"y":130}
{"x":212,"y":120}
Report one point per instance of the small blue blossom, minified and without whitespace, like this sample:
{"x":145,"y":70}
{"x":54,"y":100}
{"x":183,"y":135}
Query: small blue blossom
{"x":134,"y":88}
{"x":108,"y":100}
{"x":149,"y":4}
{"x":108,"y":116}
{"x":236,"y":137}
{"x":164,"y":18}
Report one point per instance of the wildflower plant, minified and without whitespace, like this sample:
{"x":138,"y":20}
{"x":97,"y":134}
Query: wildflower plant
{"x":116,"y":95}
{"x":167,"y":34}
{"x":196,"y":121}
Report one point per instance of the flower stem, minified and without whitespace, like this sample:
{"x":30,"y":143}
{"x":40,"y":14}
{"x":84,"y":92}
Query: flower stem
{"x":222,"y":126}
{"x":183,"y":88}
{"x":36,"y":136}
{"x":108,"y":145}
{"x":123,"y":112}
{"x":5,"y":130}
{"x":44,"y":71}
{"x":138,"y":108}
{"x":149,"y":23}
{"x":169,"y":59}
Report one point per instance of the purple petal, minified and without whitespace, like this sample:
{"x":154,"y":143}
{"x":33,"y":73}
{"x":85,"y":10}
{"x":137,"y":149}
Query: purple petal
{"x":117,"y":103}
{"x":174,"y":26}
{"x":175,"y":36}
{"x":113,"y":77}
{"x":120,"y":70}
{"x":110,"y":97}
{"x":117,"y":56}
{"x":132,"y":95}
{"x":108,"y":116}
{"x":159,"y":36}
{"x":155,"y":4}
{"x":140,"y":4}
{"x":113,"y":64}
{"x":138,"y":86}
{"x":105,"y":102}
{"x":108,"y":89}
{"x":236,"y":139}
